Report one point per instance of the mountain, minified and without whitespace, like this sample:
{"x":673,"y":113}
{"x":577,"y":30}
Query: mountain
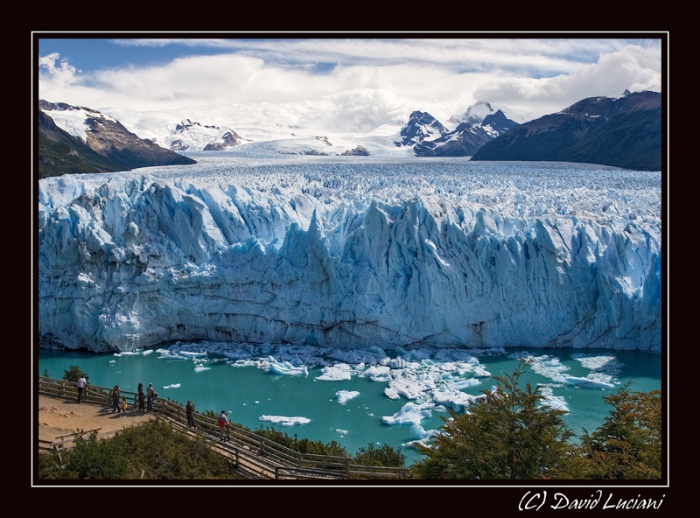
{"x":497,"y":123}
{"x":87,"y":141}
{"x":465,"y":140}
{"x":421,"y":127}
{"x":193,"y":136}
{"x":483,"y":114}
{"x":225,"y":141}
{"x":623,"y":132}
{"x":479,"y":124}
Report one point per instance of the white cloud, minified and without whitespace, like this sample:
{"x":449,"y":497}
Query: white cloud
{"x":62,"y":75}
{"x":633,"y":68}
{"x":369,"y":82}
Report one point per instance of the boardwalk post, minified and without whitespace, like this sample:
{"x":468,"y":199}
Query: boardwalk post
{"x":55,"y":447}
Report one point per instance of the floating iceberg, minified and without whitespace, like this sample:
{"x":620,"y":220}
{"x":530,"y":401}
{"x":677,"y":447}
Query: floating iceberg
{"x":391,"y":393}
{"x":410,"y":413}
{"x":346,"y":395}
{"x":339,"y":372}
{"x":583,"y":382}
{"x":284,"y":421}
{"x":286,"y":368}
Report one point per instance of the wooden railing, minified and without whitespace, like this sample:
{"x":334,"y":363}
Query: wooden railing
{"x":253,"y":454}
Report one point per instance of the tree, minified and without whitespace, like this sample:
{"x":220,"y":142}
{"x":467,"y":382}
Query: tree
{"x":628,"y":444}
{"x":384,"y":455}
{"x":74,"y":373}
{"x":508,"y":434}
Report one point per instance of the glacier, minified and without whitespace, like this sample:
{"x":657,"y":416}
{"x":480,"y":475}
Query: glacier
{"x":351,"y":252}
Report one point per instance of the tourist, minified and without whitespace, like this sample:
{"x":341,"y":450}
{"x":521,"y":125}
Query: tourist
{"x":141,"y":397}
{"x":223,"y":423}
{"x":123,"y":405}
{"x":190,"y":415}
{"x":82,"y":381}
{"x":116,"y":394}
{"x":150,"y":396}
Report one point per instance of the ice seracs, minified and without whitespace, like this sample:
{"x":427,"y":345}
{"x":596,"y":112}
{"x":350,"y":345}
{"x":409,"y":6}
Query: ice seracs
{"x":352,"y":254}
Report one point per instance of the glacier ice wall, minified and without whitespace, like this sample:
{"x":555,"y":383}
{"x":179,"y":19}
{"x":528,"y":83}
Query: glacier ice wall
{"x":351,"y":255}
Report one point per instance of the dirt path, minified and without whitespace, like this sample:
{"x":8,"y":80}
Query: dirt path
{"x":60,"y":416}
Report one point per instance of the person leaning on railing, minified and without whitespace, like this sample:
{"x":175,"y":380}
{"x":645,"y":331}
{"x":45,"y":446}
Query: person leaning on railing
{"x":223,"y":424}
{"x":190,"y":415}
{"x":151,"y":395}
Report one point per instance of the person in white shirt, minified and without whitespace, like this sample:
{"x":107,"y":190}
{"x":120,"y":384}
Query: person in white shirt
{"x":82,"y":381}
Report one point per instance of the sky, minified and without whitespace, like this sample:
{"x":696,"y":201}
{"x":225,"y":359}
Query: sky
{"x":352,"y":84}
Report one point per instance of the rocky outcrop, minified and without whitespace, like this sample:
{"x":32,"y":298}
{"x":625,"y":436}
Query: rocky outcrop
{"x":357,"y":151}
{"x":225,"y":141}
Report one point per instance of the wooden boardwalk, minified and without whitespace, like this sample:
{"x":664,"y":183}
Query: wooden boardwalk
{"x":253,"y":456}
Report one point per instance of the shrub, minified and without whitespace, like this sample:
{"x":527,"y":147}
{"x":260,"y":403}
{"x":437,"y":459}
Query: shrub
{"x":151,"y":450}
{"x":384,"y":455}
{"x":73,"y":374}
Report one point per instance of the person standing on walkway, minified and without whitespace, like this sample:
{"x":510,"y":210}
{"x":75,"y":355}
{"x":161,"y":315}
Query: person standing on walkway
{"x":123,"y":406}
{"x":116,"y":395}
{"x":150,"y":396}
{"x":190,"y":415}
{"x":223,"y":423}
{"x":141,"y":397}
{"x":82,"y":381}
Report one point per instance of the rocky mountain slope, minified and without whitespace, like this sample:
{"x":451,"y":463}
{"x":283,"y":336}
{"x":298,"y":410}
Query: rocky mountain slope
{"x":623,"y":132}
{"x":95,"y":143}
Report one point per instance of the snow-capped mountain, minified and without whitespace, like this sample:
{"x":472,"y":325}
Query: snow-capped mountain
{"x":428,"y":137}
{"x":76,"y":139}
{"x":483,"y":115}
{"x":193,"y":136}
{"x":465,"y":140}
{"x":421,"y":127}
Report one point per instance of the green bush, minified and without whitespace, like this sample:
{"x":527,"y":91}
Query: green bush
{"x":74,"y":374}
{"x":151,"y":450}
{"x":384,"y":455}
{"x":302,"y":445}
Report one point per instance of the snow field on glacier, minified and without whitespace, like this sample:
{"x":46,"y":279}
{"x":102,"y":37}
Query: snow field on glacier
{"x":352,"y":252}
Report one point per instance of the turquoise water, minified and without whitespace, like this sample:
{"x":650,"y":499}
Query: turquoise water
{"x":247,"y":393}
